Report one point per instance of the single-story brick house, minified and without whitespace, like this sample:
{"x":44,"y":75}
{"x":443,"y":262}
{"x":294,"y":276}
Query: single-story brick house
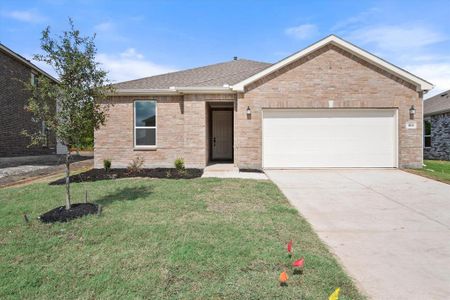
{"x":331,"y":104}
{"x":437,"y":127}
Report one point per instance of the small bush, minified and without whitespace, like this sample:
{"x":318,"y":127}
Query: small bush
{"x":136,"y":164}
{"x":107,"y":164}
{"x":179,"y":164}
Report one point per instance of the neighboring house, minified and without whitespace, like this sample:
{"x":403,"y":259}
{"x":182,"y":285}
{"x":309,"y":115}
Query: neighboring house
{"x":437,"y":127}
{"x":14,"y":70}
{"x":331,"y":104}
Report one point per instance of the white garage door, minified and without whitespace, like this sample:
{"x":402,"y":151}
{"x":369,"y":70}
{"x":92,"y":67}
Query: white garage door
{"x":317,"y":138}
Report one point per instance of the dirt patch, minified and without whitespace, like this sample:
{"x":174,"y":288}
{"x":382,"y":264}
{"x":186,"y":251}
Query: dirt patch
{"x":43,"y":174}
{"x":61,"y":214}
{"x":100,"y":174}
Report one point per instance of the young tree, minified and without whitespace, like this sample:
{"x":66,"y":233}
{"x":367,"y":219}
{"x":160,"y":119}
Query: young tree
{"x":82,"y":85}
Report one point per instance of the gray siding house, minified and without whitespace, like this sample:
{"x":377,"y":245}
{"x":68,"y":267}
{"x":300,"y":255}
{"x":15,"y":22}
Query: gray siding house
{"x":437,"y":127}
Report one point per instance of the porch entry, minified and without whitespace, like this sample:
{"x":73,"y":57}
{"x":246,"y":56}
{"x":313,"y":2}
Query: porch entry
{"x":221,"y":132}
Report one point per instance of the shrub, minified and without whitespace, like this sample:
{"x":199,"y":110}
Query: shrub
{"x":179,"y":164}
{"x":107,"y":164}
{"x":136,"y":164}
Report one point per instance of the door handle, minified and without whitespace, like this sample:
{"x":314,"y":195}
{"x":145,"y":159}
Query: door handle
{"x":214,"y":141}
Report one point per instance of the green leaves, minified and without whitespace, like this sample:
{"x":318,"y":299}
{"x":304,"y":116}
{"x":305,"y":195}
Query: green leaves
{"x":70,"y":108}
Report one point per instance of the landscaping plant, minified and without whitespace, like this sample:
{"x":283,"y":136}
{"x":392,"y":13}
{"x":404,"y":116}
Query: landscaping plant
{"x":136,"y":164}
{"x":82,"y":84}
{"x":179,"y":164}
{"x":107,"y":164}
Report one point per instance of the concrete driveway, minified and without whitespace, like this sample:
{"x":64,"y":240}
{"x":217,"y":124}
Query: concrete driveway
{"x":390,"y":229}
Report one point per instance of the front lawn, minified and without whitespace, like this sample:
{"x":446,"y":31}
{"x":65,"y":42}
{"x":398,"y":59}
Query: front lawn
{"x":435,"y":169}
{"x":163,"y":239}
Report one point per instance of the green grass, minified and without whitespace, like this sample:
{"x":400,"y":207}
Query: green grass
{"x":163,"y":239}
{"x":435,"y":169}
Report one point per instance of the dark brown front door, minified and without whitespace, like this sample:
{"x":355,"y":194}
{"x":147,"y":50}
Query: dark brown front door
{"x":222,"y":135}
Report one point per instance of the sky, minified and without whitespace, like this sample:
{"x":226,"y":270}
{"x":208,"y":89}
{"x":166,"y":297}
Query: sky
{"x":142,"y":38}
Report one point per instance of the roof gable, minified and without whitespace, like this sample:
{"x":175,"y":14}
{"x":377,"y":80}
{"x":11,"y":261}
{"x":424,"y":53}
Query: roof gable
{"x":421,"y":85}
{"x":25,"y":61}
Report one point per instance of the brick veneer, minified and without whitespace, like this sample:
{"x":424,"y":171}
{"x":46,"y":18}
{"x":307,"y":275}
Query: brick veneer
{"x":13,"y":117}
{"x":181,"y":131}
{"x":327,"y":74}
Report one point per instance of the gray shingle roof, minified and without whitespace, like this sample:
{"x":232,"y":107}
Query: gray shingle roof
{"x":216,"y":75}
{"x":437,"y":104}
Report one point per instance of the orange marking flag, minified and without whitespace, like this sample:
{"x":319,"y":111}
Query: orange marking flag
{"x":283,"y":277}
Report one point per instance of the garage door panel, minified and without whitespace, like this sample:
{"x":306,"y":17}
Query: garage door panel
{"x":329,"y":138}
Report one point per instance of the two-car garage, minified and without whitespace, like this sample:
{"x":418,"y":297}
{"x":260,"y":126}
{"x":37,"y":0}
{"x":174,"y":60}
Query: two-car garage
{"x":323,"y":138}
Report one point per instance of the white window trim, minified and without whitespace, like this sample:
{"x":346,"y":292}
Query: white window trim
{"x":44,"y":132}
{"x":33,"y":79}
{"x":143,"y":147}
{"x":426,"y":135}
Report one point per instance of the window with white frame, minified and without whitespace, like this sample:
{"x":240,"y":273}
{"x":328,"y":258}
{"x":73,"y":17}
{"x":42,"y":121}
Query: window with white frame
{"x":44,"y":132}
{"x":145,"y":123}
{"x":427,"y":133}
{"x":33,"y":79}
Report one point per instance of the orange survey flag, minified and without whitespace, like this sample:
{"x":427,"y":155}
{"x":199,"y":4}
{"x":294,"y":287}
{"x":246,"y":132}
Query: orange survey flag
{"x":283,"y":277}
{"x":335,"y":295}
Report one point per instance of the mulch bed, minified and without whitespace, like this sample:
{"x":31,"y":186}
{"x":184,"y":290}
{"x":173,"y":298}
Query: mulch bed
{"x":61,"y":214}
{"x":101,"y":174}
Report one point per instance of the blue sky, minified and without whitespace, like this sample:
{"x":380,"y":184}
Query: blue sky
{"x":142,"y":38}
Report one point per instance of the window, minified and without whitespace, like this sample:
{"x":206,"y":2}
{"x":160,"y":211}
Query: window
{"x":145,"y":123}
{"x":427,"y":133}
{"x":33,"y":79}
{"x":44,"y":132}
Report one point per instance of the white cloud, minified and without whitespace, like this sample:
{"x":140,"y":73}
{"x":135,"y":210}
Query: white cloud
{"x":131,"y":53}
{"x":24,"y":16}
{"x":437,"y":73}
{"x":104,"y":26}
{"x":129,"y":65}
{"x":414,"y":46}
{"x":302,"y":32}
{"x":418,"y":47}
{"x":396,"y":38}
{"x":361,"y":18}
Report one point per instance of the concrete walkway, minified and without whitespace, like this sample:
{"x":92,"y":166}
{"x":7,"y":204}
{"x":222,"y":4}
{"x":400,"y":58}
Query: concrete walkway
{"x":228,"y":170}
{"x":390,"y":229}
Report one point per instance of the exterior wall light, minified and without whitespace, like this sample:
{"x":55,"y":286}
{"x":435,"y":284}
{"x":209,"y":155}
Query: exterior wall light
{"x":249,"y":112}
{"x":412,"y":112}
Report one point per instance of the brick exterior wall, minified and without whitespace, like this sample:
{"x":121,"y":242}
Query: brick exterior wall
{"x":181,"y":132}
{"x":328,"y":74}
{"x":440,"y":137}
{"x":13,"y":117}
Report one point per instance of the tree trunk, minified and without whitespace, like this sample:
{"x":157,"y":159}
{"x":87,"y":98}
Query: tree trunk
{"x":68,"y":202}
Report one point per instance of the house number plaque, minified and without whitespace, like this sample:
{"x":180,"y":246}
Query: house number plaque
{"x":411,"y":125}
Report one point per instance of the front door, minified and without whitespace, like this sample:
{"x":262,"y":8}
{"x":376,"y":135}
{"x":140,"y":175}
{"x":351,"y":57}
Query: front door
{"x":222,"y":135}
